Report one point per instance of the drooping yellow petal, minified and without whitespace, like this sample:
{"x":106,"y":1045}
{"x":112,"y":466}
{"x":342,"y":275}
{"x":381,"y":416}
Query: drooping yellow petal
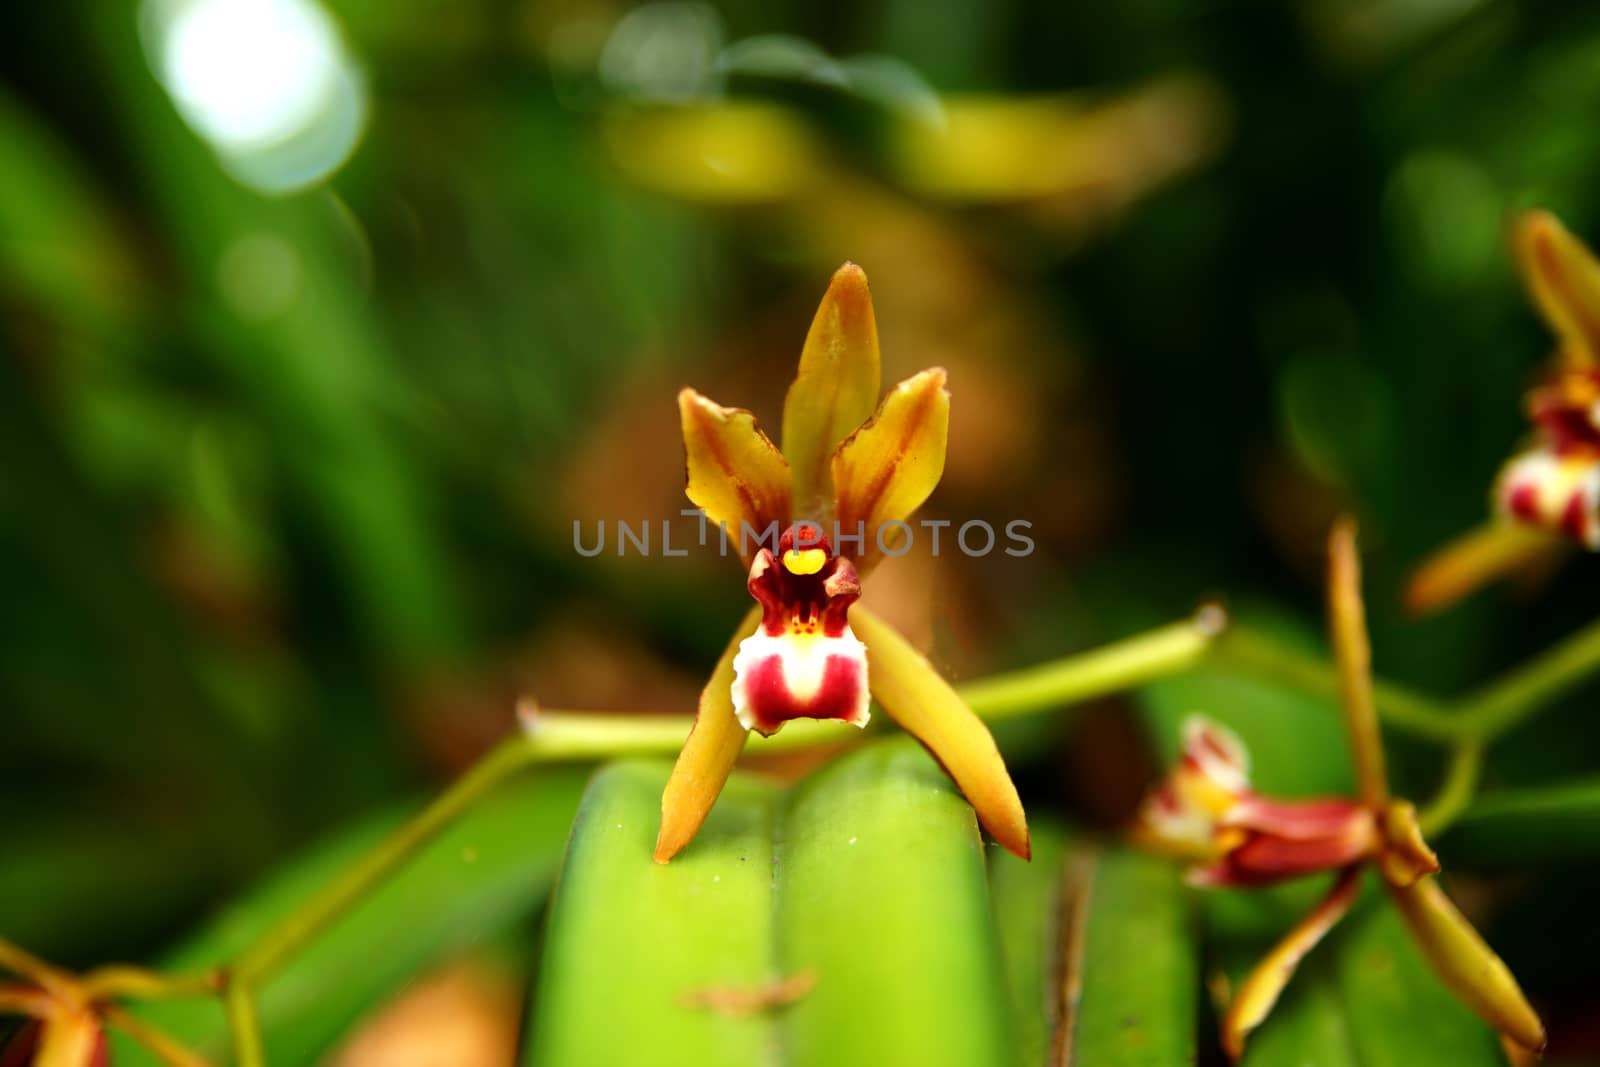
{"x":886,"y":469}
{"x":1491,"y":551}
{"x":914,"y":695}
{"x":1466,"y":964}
{"x":834,"y":390}
{"x":736,"y":475}
{"x":1347,"y":622}
{"x":708,"y":756}
{"x":18,"y":999}
{"x":1259,"y":992}
{"x":1564,"y":278}
{"x":68,"y":1039}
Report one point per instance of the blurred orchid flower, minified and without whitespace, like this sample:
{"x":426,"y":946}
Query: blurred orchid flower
{"x":68,"y":1014}
{"x":1071,"y":159}
{"x":1070,"y":162}
{"x":1206,"y":814}
{"x":1550,"y":492}
{"x":808,"y":650}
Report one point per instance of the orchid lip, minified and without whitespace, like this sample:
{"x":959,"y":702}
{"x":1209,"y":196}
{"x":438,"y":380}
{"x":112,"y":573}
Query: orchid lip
{"x":803,"y":662}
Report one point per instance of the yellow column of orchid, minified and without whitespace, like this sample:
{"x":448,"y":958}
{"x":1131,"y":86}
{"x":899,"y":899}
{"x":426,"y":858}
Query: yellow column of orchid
{"x":847,"y":474}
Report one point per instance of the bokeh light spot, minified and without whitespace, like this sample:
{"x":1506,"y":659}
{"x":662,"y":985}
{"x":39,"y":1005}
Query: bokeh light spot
{"x":259,"y":275}
{"x":1444,"y":215}
{"x":268,"y":84}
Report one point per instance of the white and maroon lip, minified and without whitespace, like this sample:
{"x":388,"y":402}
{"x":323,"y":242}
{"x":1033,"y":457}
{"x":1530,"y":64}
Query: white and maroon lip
{"x":1557,"y":492}
{"x":803,"y":662}
{"x":800,"y":677}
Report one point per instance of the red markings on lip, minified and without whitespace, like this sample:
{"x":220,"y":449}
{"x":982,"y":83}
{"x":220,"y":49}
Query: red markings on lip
{"x":771,"y":701}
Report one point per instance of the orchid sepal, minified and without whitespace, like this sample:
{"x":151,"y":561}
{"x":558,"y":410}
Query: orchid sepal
{"x":736,"y":475}
{"x":1466,"y":964}
{"x":917,"y":697}
{"x":1563,"y":278}
{"x":714,"y":745}
{"x":835,"y":388}
{"x":886,"y":469}
{"x":1258,"y":993}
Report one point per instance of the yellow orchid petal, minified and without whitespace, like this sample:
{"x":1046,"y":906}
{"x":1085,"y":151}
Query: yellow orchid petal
{"x":1564,"y":278}
{"x":914,"y":695}
{"x":1466,"y":964}
{"x":736,"y":475}
{"x":16,"y":999}
{"x":834,"y":390}
{"x":708,"y":756}
{"x":70,"y":1038}
{"x":886,"y":469}
{"x":1405,"y":856}
{"x":1347,"y":622}
{"x":1493,"y":550}
{"x":1259,"y":992}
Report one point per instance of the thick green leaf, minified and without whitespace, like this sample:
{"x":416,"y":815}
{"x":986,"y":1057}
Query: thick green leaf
{"x":882,"y":893}
{"x":1027,"y":912}
{"x":864,"y":936}
{"x":631,"y":943}
{"x":1525,"y":827}
{"x":1132,"y":946}
{"x":480,"y":876}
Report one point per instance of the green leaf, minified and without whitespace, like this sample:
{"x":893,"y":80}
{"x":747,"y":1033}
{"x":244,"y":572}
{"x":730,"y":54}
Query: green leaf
{"x":882,"y":893}
{"x":61,"y":245}
{"x":629,"y":939}
{"x":876,"y":889}
{"x":1527,"y":827}
{"x":1132,"y":946}
{"x":1027,"y":911}
{"x":485,"y":873}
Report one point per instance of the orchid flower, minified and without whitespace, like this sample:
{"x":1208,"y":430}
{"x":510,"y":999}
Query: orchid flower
{"x":68,"y":1014}
{"x":851,"y":471}
{"x":1205,"y":813}
{"x":1549,"y":492}
{"x":1555,"y":485}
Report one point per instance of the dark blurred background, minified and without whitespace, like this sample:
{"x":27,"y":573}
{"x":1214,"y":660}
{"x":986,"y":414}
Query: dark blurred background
{"x":321,"y":324}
